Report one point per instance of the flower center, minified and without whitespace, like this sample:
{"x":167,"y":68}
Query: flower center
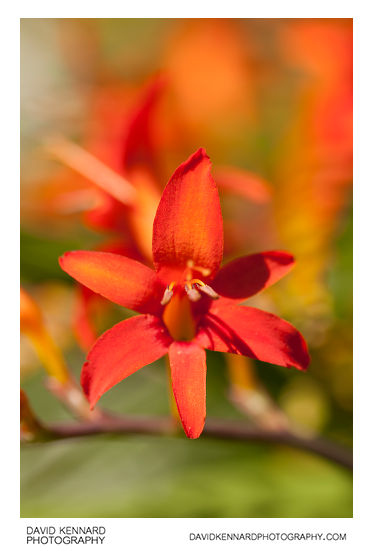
{"x":178,"y":317}
{"x":178,"y":299}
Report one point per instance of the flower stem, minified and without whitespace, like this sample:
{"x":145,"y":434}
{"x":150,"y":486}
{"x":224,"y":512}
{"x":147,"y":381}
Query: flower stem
{"x":215,"y":428}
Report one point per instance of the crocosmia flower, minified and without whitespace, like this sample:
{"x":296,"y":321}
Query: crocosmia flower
{"x":187,"y":303}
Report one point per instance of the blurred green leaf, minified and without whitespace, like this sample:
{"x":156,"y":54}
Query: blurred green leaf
{"x":145,"y":476}
{"x":150,"y":476}
{"x":39,"y":255}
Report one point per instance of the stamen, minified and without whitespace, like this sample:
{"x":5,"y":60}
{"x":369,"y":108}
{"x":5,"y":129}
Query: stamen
{"x":192,"y":293}
{"x":167,"y":295}
{"x":207,"y":290}
{"x":199,"y":281}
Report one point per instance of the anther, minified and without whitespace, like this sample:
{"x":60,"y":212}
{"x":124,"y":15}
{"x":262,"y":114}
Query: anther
{"x":167,"y":295}
{"x":192,"y":293}
{"x":207,"y":290}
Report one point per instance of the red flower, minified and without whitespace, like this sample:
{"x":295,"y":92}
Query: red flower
{"x":187,"y":304}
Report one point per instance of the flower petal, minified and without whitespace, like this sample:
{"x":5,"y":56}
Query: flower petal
{"x":188,"y":224}
{"x":83,"y":324}
{"x":244,"y":183}
{"x":253,"y":333}
{"x":86,"y":301}
{"x":117,"y":278}
{"x":93,"y":169}
{"x":122,"y":350}
{"x":139,"y":141}
{"x":188,"y":374}
{"x":107,"y":214}
{"x":248,"y":275}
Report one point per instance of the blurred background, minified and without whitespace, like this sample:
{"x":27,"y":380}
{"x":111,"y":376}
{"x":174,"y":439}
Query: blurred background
{"x":117,"y":104}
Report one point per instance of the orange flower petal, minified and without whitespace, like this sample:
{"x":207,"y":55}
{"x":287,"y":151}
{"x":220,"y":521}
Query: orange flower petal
{"x":86,"y":300}
{"x":117,"y":278}
{"x":122,"y":350}
{"x":188,"y":225}
{"x":253,"y":333}
{"x":83,"y":324}
{"x":139,"y":142}
{"x":243,"y":183}
{"x":248,"y":275}
{"x":32,"y":324}
{"x":188,"y":374}
{"x":93,"y":169}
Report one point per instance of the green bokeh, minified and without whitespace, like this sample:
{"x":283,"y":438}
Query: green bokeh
{"x":152,"y":476}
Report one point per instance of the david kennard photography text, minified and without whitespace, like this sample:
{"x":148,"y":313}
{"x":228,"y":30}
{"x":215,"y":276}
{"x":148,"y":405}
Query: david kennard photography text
{"x":65,"y":534}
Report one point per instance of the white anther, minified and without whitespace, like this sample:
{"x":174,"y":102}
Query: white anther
{"x":192,"y":293}
{"x":167,"y":296}
{"x":208,"y":291}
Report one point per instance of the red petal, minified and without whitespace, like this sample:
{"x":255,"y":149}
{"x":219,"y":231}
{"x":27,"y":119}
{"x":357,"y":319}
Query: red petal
{"x":244,"y":183}
{"x":83,"y":323}
{"x":253,"y":333}
{"x":107,"y":215}
{"x":117,"y":278}
{"x":248,"y":275}
{"x":188,"y":224}
{"x":86,"y":300}
{"x":139,"y":146}
{"x":122,"y":350}
{"x":188,"y":374}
